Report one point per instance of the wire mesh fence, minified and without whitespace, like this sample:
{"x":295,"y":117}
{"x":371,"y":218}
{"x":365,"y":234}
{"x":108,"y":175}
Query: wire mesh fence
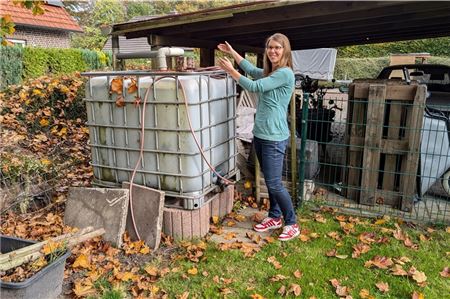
{"x":383,"y":148}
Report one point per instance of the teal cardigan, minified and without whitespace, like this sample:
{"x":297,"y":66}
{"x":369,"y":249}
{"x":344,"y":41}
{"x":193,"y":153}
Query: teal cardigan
{"x":274,"y":93}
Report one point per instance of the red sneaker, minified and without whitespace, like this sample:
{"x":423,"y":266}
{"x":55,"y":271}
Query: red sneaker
{"x":289,"y":232}
{"x":267,"y":224}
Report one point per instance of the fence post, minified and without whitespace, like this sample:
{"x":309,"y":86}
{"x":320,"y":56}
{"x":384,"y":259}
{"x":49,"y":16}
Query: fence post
{"x":301,"y":172}
{"x":293,"y":150}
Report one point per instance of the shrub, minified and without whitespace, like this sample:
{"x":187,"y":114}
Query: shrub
{"x":35,"y":62}
{"x":355,"y":68}
{"x":10,"y":65}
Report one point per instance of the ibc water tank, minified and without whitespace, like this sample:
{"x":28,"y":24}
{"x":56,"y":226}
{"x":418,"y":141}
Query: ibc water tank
{"x":172,"y":161}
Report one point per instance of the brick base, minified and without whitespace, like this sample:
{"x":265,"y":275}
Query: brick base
{"x":188,"y":224}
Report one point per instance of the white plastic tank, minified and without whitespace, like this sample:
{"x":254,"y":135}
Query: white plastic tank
{"x":171,"y":159}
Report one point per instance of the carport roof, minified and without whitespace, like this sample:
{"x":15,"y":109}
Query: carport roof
{"x":308,"y":24}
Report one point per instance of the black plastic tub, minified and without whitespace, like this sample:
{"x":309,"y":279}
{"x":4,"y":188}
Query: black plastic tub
{"x":45,"y":284}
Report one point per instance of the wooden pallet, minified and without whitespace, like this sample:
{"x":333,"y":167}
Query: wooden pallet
{"x":383,"y":133}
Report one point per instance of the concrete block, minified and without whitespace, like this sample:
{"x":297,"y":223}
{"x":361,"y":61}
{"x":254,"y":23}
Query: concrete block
{"x":222,"y":203}
{"x":98,"y":207}
{"x":148,"y":206}
{"x":186,"y":224}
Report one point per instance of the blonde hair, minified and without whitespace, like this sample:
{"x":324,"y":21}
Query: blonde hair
{"x":286,"y":59}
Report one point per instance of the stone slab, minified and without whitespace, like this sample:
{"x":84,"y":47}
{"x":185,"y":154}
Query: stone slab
{"x":98,"y":207}
{"x":148,"y":206}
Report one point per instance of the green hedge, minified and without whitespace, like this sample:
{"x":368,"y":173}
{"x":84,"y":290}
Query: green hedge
{"x":353,"y":68}
{"x":10,"y":65}
{"x":357,"y":68}
{"x":17,"y":64}
{"x":434,"y":46}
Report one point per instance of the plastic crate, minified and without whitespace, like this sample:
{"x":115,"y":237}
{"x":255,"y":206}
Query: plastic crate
{"x":45,"y":284}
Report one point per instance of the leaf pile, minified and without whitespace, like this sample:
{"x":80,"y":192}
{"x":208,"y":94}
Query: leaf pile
{"x":43,"y":120}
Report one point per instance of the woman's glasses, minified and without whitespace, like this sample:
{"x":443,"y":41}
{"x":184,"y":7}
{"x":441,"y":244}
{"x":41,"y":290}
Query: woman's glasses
{"x":276,"y":48}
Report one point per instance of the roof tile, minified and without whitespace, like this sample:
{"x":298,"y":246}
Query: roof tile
{"x":54,"y":16}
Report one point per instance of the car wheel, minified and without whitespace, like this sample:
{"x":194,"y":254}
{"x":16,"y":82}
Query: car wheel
{"x":446,"y":181}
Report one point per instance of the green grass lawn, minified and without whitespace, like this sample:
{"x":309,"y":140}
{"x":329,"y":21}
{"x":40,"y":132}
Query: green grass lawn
{"x":242,"y":277}
{"x":230,"y":274}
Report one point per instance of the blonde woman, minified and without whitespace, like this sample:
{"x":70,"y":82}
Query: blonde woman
{"x":274,"y":85}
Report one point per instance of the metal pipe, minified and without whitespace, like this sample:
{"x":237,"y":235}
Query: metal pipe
{"x":160,"y":55}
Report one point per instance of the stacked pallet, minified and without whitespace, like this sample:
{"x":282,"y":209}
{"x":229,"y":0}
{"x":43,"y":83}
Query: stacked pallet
{"x":383,"y":134}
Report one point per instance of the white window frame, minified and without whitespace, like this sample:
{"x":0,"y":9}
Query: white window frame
{"x":20,"y":42}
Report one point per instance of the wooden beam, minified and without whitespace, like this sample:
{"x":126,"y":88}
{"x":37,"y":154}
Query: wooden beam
{"x":377,"y":16}
{"x":289,"y":11}
{"x":299,"y":44}
{"x":159,"y":40}
{"x":434,"y":23}
{"x":218,"y":14}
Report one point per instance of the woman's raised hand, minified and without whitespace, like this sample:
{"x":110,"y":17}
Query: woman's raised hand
{"x":225,"y":64}
{"x":226,"y":48}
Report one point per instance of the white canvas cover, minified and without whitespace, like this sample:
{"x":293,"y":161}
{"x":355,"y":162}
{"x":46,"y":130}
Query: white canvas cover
{"x":316,"y":63}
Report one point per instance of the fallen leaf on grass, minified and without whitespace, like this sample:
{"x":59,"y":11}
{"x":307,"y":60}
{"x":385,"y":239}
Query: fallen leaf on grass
{"x":382,"y":286}
{"x":418,"y":276}
{"x":185,"y":295}
{"x":417,"y":295}
{"x":295,"y":289}
{"x":365,"y":294}
{"x":359,"y":249}
{"x":298,"y":274}
{"x":333,"y":253}
{"x":320,"y":218}
{"x":151,"y":270}
{"x":342,"y":291}
{"x":192,"y":271}
{"x":282,"y":291}
{"x":303,"y":238}
{"x":381,"y":262}
{"x":274,"y":262}
{"x":277,"y":277}
{"x":215,"y":219}
{"x":348,"y":228}
{"x":398,"y":270}
{"x":445,"y":272}
{"x":334,"y":236}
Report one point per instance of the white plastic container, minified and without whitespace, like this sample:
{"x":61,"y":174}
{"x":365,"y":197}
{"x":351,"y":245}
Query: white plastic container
{"x":171,"y":161}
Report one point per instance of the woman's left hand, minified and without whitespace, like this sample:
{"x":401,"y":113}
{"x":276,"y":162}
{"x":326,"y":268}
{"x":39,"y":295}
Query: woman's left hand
{"x":226,"y":65}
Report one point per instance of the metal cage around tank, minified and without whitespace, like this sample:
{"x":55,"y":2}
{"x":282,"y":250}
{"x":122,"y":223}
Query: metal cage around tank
{"x":162,"y":105}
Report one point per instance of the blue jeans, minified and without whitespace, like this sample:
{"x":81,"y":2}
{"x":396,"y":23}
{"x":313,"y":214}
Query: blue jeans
{"x":270,"y":156}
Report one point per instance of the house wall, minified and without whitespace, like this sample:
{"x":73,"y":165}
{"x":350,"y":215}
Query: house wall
{"x":42,"y":38}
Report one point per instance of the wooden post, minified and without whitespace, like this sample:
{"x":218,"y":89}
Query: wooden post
{"x":294,"y":153}
{"x":206,"y":57}
{"x":409,"y":166}
{"x":115,"y":51}
{"x":372,"y":143}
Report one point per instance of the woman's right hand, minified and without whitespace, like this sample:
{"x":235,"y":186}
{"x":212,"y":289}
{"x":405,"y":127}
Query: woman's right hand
{"x":226,"y":48}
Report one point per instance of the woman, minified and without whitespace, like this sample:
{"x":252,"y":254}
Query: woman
{"x":274,"y":85}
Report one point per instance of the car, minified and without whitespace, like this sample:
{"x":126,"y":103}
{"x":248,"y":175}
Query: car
{"x":435,"y":134}
{"x":435,"y":76}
